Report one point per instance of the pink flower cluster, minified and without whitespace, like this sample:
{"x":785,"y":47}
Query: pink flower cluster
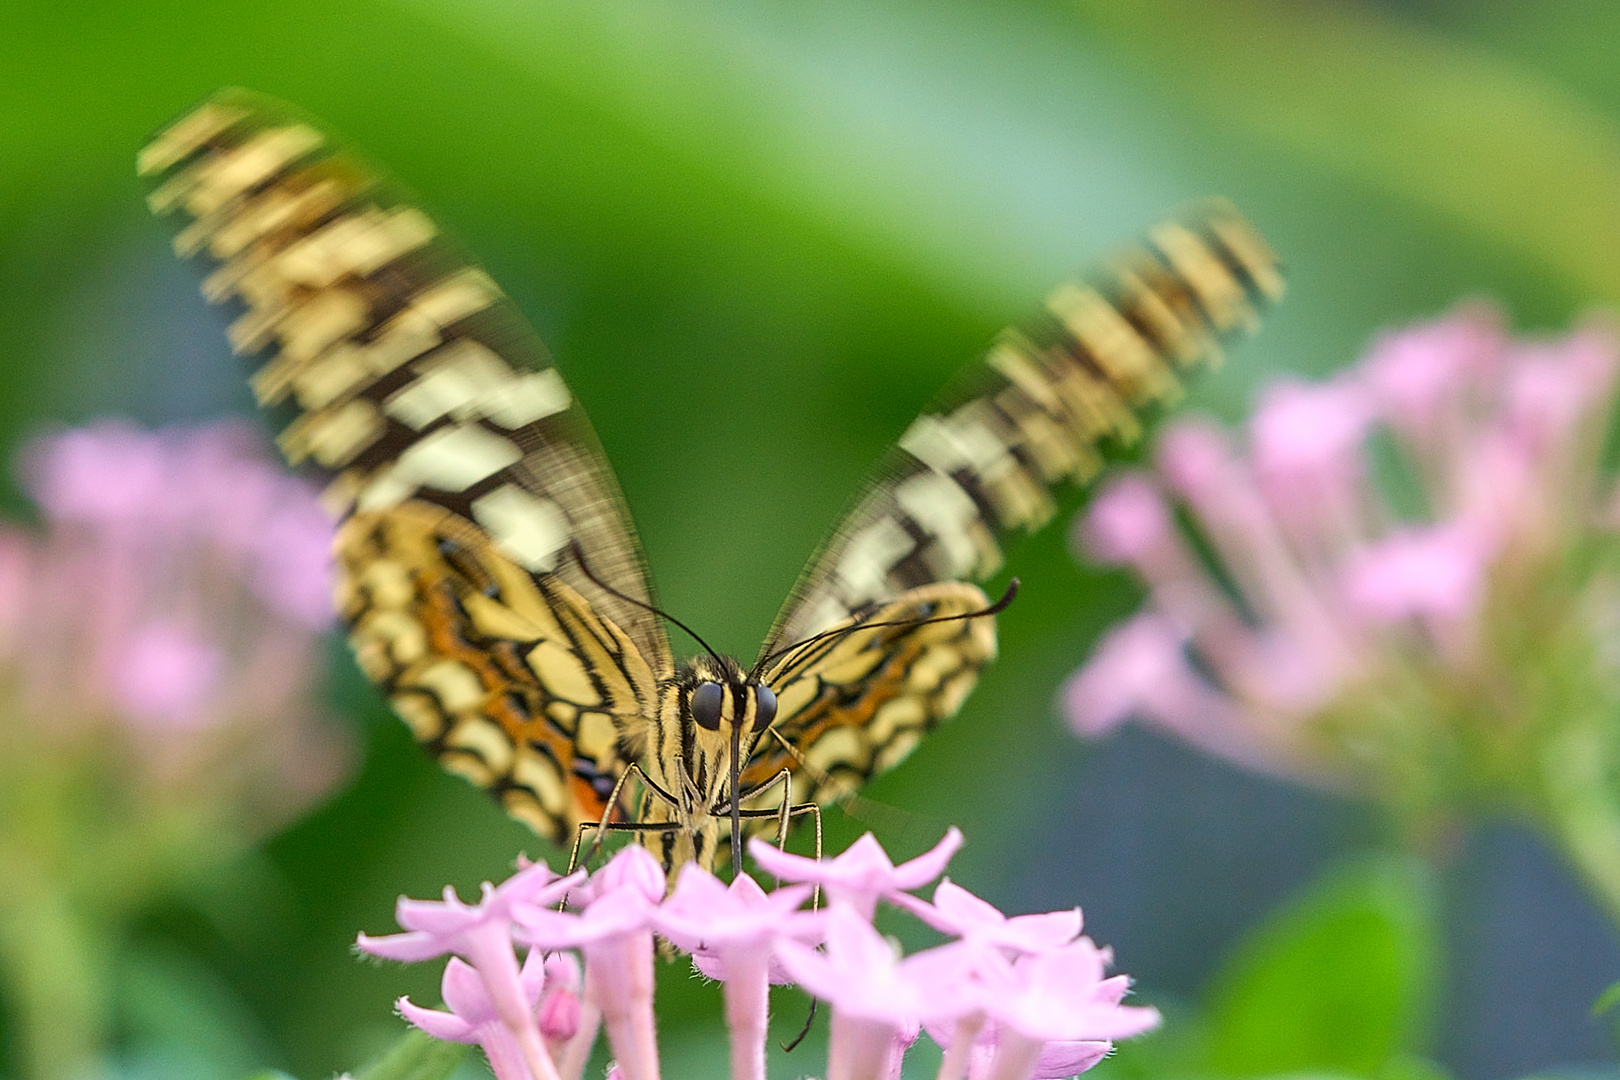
{"x":1008,"y":998}
{"x":170,"y":613}
{"x":1354,"y":561}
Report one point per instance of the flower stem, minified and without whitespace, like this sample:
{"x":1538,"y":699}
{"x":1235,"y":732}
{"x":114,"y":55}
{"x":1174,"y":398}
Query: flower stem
{"x":747,"y":1010}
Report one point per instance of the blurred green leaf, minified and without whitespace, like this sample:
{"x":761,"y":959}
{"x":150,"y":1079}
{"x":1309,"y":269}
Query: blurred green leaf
{"x":1339,"y":980}
{"x":1606,"y":1000}
{"x":182,"y":1019}
{"x":415,"y":1057}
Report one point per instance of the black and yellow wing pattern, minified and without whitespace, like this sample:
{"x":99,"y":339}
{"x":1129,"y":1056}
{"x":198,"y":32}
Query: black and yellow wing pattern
{"x":981,"y":464}
{"x":487,"y":566}
{"x":450,"y":446}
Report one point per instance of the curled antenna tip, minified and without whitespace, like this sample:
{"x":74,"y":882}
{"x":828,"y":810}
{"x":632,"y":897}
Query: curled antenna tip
{"x":1006,"y":598}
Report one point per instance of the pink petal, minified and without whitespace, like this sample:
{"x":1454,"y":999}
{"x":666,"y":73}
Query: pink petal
{"x":1415,"y":372}
{"x":1127,"y":521}
{"x":1310,"y":432}
{"x":1434,"y":573}
{"x":440,"y":1025}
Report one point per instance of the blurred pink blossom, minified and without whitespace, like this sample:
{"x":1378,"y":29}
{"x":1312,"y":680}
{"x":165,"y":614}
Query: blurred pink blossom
{"x":170,"y":609}
{"x":1370,"y":563}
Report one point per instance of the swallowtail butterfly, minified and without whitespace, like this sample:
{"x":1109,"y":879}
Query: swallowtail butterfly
{"x":486,"y":563}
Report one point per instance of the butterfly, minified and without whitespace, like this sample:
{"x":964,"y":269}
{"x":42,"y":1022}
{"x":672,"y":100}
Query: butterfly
{"x":486,"y":563}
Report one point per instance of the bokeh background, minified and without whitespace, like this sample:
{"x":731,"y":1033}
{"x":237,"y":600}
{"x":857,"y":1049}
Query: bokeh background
{"x":759,"y":236}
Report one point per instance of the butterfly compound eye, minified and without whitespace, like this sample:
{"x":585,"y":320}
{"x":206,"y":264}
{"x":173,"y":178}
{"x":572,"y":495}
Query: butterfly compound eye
{"x":706,"y":702}
{"x":766,"y":711}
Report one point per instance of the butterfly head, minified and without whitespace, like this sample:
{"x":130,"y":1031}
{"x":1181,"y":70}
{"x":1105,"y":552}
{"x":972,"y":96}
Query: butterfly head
{"x":722,"y":712}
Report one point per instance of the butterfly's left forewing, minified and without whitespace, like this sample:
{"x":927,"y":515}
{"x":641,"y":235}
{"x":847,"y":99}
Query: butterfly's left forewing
{"x":468,"y":475}
{"x":981,"y":465}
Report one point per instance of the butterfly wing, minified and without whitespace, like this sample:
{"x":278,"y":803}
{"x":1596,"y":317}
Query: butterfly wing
{"x":468,"y":475}
{"x":853,"y":704}
{"x":981,"y":464}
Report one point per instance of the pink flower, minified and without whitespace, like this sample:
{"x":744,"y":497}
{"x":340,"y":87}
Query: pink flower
{"x":473,"y":1016}
{"x":167,"y":676}
{"x":957,"y":911}
{"x":1004,"y":1016}
{"x":175,"y":591}
{"x":735,"y":926}
{"x":861,"y":875}
{"x":558,"y":1011}
{"x":1435,"y":574}
{"x":615,"y":934}
{"x":876,"y":997}
{"x":481,"y":934}
{"x":1322,"y":620}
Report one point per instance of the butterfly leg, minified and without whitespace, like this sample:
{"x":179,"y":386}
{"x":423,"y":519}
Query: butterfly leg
{"x":784,"y":814}
{"x":785,"y":810}
{"x":605,"y":826}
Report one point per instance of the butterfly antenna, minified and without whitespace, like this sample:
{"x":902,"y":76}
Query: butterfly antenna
{"x":994,"y":609}
{"x":584,"y":567}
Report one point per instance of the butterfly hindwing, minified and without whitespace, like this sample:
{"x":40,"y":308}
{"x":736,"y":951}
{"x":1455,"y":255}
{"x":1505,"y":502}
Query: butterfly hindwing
{"x":413,"y":387}
{"x":510,"y":680}
{"x":856,"y":702}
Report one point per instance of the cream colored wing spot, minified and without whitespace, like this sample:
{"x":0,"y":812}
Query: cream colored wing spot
{"x":901,"y":713}
{"x":952,"y":522}
{"x":467,"y":381}
{"x":452,"y":458}
{"x":895,"y":750}
{"x":529,"y":529}
{"x":966,"y":439}
{"x":182,"y":138}
{"x":596,"y":736}
{"x":333,"y":437}
{"x":540,"y":774}
{"x":455,"y":458}
{"x":205,"y":187}
{"x":840,"y":746}
{"x":955,"y":691}
{"x":475,"y":735}
{"x":527,"y":398}
{"x":424,"y":718}
{"x":1128,"y":359}
{"x":1219,"y":292}
{"x":453,"y":683}
{"x":396,"y":633}
{"x":358,"y":244}
{"x":864,"y":569}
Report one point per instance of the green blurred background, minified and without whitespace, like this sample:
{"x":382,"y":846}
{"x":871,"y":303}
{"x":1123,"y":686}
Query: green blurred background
{"x":758,"y":237}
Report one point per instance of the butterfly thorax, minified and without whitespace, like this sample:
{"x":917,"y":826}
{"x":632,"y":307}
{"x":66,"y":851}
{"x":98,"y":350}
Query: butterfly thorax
{"x":710,"y":716}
